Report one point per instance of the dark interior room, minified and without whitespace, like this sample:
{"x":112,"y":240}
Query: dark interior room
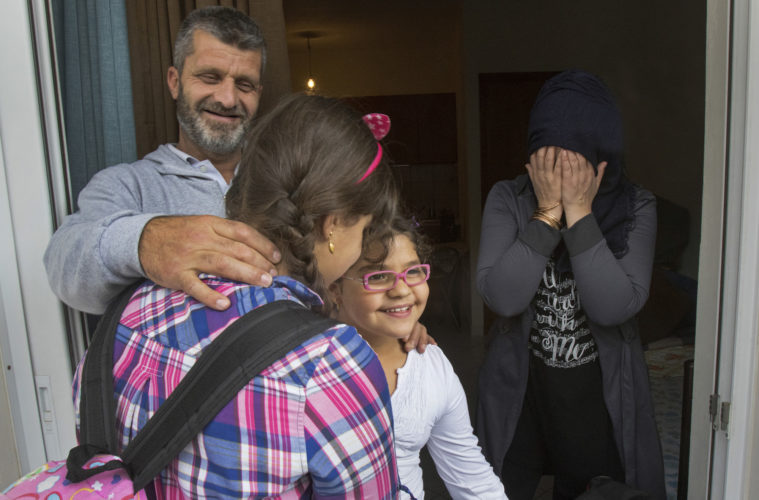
{"x":458,"y":80}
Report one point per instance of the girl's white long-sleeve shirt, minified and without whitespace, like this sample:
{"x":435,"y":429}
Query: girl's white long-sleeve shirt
{"x":429,"y":407}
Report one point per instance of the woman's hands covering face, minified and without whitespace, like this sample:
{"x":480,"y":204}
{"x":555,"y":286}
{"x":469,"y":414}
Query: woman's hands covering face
{"x":545,"y":174}
{"x":579,"y":184}
{"x":566,"y":179}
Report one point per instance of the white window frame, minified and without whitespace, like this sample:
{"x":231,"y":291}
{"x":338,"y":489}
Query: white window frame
{"x":33,"y":336}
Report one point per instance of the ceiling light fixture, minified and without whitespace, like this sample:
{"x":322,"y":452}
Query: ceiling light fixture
{"x":310,"y":84}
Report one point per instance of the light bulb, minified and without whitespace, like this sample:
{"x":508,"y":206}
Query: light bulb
{"x":311,"y":84}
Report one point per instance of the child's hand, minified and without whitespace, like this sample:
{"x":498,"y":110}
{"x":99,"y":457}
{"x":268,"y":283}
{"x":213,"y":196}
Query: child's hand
{"x":418,"y":339}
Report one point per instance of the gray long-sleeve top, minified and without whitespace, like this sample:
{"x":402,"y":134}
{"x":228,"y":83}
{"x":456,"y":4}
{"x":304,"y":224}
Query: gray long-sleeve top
{"x":94,"y":254}
{"x":514,"y":251}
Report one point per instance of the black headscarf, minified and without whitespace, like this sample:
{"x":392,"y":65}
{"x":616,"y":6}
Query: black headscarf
{"x":574,"y":110}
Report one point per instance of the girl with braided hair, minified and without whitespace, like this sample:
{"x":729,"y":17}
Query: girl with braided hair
{"x":316,"y":423}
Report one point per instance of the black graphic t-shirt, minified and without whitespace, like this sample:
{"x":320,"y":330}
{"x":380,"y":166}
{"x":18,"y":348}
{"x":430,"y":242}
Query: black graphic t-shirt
{"x":560,"y":337}
{"x":565,"y":372}
{"x":564,"y":409}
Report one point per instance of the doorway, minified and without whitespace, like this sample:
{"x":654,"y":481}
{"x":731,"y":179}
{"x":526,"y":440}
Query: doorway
{"x":667,"y":321}
{"x":485,"y":36}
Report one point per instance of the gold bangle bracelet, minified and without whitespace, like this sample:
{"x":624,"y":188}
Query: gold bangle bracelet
{"x":547,"y":219}
{"x":546,"y":209}
{"x":542,"y":213}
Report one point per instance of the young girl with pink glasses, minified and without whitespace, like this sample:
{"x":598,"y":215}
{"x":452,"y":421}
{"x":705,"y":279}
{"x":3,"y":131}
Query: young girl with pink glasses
{"x":383,"y":295}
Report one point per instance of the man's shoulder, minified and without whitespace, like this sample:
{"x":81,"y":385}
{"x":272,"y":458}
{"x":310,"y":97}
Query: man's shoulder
{"x":158,"y":162}
{"x":160,"y":156}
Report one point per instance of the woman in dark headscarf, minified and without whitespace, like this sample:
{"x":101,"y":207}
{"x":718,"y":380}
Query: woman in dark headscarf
{"x":565,"y":261}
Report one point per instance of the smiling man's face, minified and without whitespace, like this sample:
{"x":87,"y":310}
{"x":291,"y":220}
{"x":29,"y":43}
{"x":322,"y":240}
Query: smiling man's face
{"x":217,"y":97}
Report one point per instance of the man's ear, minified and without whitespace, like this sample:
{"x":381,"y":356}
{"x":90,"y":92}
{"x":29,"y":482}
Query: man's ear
{"x":172,"y":81}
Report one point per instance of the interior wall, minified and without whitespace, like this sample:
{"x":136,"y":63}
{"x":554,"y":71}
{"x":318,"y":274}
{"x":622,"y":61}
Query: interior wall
{"x":382,"y":70}
{"x":421,"y":54}
{"x":424,"y":61}
{"x":651,"y":54}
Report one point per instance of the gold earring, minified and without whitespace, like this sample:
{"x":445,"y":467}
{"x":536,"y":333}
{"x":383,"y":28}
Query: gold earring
{"x":331,"y":245}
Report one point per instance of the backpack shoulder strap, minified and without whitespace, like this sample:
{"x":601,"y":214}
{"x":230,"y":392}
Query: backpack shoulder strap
{"x":97,"y":406}
{"x":229,"y":363}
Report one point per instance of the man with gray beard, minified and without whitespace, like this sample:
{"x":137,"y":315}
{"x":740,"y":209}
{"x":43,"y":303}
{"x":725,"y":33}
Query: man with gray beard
{"x":162,"y":217}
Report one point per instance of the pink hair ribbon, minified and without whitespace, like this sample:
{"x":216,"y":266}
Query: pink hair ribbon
{"x":379,"y":124}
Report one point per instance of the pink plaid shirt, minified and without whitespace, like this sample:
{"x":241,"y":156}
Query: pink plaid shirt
{"x":315,"y":424}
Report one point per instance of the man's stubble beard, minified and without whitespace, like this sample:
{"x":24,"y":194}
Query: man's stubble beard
{"x":216,"y":138}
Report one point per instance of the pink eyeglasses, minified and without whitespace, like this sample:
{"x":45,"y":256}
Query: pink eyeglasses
{"x":382,"y":281}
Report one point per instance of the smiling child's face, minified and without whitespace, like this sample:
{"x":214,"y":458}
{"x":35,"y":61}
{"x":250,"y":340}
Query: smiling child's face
{"x":392,"y":313}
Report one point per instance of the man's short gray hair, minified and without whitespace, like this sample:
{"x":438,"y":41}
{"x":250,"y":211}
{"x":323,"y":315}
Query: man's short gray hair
{"x":225,"y":23}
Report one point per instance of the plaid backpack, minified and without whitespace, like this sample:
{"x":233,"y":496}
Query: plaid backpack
{"x":94,"y":469}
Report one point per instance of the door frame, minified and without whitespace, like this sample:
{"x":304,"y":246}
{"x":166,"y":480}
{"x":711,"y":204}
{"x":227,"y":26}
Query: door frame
{"x":33,"y":331}
{"x":723,"y":441}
